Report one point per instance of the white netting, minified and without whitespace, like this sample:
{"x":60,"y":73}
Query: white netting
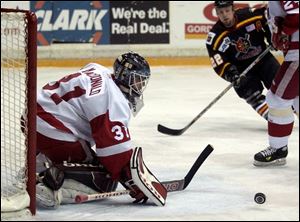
{"x":13,"y":105}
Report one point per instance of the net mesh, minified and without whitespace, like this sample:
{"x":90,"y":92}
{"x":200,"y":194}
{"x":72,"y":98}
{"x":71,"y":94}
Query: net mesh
{"x":13,"y":104}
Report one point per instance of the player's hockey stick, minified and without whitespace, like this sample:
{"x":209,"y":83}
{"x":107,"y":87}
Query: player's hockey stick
{"x":177,"y":132}
{"x":173,"y":185}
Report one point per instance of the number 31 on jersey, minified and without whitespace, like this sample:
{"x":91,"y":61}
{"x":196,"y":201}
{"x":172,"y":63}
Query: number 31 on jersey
{"x":119,"y":133}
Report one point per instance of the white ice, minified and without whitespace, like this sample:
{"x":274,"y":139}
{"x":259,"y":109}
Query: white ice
{"x":225,"y":185}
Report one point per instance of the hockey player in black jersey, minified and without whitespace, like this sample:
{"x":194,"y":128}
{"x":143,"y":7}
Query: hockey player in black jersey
{"x":233,"y":43}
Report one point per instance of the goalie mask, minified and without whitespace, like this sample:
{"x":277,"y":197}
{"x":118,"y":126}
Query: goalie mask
{"x":132,"y":73}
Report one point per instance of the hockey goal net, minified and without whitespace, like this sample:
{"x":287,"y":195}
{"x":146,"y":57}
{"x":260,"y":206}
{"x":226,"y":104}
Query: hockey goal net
{"x":18,"y":111}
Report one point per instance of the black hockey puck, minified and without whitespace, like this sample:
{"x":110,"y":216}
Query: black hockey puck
{"x":260,"y":198}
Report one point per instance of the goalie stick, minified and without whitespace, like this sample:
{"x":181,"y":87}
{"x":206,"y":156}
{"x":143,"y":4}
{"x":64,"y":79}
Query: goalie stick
{"x":171,"y":186}
{"x":177,"y":132}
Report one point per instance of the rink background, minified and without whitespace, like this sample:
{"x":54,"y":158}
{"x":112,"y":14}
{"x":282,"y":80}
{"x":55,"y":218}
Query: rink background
{"x":225,"y":185}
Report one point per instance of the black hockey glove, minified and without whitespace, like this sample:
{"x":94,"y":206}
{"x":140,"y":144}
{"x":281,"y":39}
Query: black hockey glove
{"x":232,"y":75}
{"x":52,"y":178}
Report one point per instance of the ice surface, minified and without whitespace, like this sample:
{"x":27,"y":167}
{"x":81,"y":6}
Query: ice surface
{"x":225,"y":185}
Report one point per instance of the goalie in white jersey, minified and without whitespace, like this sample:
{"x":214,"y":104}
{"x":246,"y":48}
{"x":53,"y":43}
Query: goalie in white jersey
{"x":82,"y":131}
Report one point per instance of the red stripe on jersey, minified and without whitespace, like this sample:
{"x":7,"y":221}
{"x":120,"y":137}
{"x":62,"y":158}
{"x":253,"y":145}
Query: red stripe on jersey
{"x":277,"y":130}
{"x":59,"y":151}
{"x":56,"y":98}
{"x":115,"y":163}
{"x":286,"y":81}
{"x":77,"y":92}
{"x":51,"y":120}
{"x":108,"y":133}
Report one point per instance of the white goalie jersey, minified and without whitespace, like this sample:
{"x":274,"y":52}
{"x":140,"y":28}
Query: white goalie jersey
{"x":86,"y":105}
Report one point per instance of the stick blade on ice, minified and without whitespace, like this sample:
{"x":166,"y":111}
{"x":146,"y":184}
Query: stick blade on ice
{"x":168,"y":131}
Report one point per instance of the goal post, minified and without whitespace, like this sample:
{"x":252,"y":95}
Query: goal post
{"x":18,"y":110}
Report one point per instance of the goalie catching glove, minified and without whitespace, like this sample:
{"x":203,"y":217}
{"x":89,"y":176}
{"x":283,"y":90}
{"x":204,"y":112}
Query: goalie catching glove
{"x":142,"y":183}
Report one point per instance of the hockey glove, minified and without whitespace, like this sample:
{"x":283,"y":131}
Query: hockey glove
{"x":280,"y":40}
{"x":52,"y":178}
{"x":233,"y":76}
{"x":127,"y":182}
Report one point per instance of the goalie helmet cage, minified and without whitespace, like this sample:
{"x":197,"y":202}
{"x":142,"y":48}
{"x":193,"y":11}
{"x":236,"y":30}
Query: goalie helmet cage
{"x":18,"y":99}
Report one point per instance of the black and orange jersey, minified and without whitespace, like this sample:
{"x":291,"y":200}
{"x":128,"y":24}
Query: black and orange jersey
{"x":240,"y":44}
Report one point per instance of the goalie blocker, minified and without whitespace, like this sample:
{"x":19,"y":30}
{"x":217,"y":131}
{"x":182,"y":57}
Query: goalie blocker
{"x":145,"y":180}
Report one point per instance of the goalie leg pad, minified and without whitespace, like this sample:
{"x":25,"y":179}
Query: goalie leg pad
{"x":48,"y":193}
{"x":72,"y":188}
{"x":95,"y":177}
{"x":46,"y":197}
{"x":60,"y":184}
{"x":145,"y":180}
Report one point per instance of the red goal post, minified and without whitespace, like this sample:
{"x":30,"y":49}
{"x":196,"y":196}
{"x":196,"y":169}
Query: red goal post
{"x":18,"y":99}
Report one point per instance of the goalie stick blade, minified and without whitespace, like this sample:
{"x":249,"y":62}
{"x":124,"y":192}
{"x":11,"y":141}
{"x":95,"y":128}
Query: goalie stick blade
{"x":168,"y":131}
{"x":201,"y":158}
{"x":178,"y":185}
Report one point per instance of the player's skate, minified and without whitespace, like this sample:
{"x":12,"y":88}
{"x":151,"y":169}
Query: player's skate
{"x":271,"y":156}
